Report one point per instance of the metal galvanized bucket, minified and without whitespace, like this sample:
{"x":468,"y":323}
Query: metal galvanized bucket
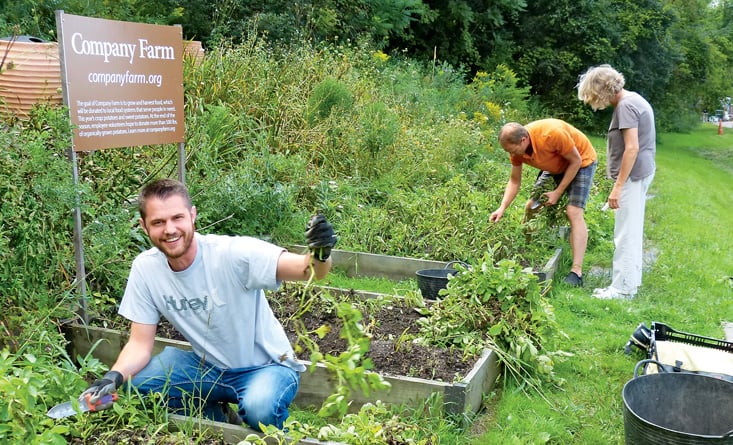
{"x":671,"y":408}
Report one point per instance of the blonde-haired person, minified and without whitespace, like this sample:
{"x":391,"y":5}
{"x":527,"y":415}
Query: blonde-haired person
{"x":630,"y":150}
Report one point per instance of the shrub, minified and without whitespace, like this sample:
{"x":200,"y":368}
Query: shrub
{"x":36,"y":197}
{"x":329,"y":96}
{"x":379,"y":127}
{"x":496,"y":304}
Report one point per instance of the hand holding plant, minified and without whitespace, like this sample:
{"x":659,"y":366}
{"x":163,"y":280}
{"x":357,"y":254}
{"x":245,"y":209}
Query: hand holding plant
{"x":320,"y":237}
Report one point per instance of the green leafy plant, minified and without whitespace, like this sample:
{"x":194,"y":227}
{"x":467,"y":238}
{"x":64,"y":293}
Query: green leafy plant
{"x":496,"y":304}
{"x":329,"y":96}
{"x":380,"y":127}
{"x":374,"y":424}
{"x":22,"y":381}
{"x":36,"y":197}
{"x":351,"y":368}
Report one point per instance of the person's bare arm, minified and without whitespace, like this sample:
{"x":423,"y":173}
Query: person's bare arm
{"x":296,"y":267}
{"x":631,"y":151}
{"x":138,"y":350}
{"x":510,"y":192}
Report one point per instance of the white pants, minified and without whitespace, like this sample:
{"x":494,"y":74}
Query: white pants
{"x":628,"y":236}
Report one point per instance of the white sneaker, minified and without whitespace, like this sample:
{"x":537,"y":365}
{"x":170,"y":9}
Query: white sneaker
{"x":610,"y":293}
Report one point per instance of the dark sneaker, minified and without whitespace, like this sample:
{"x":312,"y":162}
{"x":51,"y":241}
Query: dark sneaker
{"x":574,"y":280}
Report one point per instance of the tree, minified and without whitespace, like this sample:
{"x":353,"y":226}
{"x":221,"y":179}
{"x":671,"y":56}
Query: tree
{"x":286,"y":20}
{"x":716,"y":45}
{"x":461,"y":32}
{"x":38,"y":17}
{"x":557,"y":40}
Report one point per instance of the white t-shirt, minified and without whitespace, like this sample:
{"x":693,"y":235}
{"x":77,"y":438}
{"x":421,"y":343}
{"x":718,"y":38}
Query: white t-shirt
{"x":218,"y":303}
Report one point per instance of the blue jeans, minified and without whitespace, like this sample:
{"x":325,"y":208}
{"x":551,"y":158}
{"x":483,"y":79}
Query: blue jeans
{"x":194,"y":387}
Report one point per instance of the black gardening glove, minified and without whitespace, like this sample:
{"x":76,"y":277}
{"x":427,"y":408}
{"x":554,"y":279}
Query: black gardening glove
{"x":107,"y":385}
{"x":320,"y":237}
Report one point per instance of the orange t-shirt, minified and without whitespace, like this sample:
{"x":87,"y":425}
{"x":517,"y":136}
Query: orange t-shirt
{"x":551,"y":139}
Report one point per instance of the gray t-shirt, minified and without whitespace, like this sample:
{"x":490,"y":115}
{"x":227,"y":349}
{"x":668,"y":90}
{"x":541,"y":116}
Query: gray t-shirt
{"x":632,"y":111}
{"x":218,"y":303}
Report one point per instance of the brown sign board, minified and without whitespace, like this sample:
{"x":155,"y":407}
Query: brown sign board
{"x":122,"y":81}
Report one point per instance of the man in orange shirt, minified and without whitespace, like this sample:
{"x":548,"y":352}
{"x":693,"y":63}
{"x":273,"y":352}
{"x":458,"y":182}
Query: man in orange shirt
{"x":564,"y":153}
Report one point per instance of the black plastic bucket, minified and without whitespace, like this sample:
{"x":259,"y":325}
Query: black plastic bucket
{"x":431,"y":281}
{"x":671,"y":408}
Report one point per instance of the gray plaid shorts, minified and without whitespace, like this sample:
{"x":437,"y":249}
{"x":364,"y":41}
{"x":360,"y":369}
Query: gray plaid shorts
{"x":578,"y":190}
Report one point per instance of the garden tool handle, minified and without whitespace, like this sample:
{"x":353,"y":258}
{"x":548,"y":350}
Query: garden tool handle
{"x":104,"y":400}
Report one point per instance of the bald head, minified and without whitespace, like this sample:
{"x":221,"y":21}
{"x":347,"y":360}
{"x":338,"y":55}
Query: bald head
{"x":512,"y":133}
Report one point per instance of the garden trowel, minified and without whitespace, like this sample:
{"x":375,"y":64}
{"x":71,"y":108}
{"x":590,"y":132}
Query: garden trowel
{"x":67,"y":409}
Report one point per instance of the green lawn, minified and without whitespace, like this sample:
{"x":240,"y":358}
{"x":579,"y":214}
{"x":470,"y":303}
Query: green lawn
{"x":689,"y":223}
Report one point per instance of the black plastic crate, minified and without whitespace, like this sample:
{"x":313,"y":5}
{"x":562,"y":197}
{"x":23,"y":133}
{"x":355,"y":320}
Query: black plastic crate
{"x":662,"y":332}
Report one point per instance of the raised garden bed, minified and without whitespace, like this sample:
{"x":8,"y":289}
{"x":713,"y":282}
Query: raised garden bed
{"x":414,"y":372}
{"x":462,"y":391}
{"x":231,"y":434}
{"x":400,"y":268}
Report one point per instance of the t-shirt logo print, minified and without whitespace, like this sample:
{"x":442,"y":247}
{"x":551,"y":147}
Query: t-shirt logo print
{"x":184,"y":304}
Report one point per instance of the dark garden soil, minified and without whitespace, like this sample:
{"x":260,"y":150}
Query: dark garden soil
{"x":388,"y":326}
{"x":391,"y":354}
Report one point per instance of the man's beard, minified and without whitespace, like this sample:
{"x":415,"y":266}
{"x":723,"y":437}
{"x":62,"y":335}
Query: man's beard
{"x":182,"y":247}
